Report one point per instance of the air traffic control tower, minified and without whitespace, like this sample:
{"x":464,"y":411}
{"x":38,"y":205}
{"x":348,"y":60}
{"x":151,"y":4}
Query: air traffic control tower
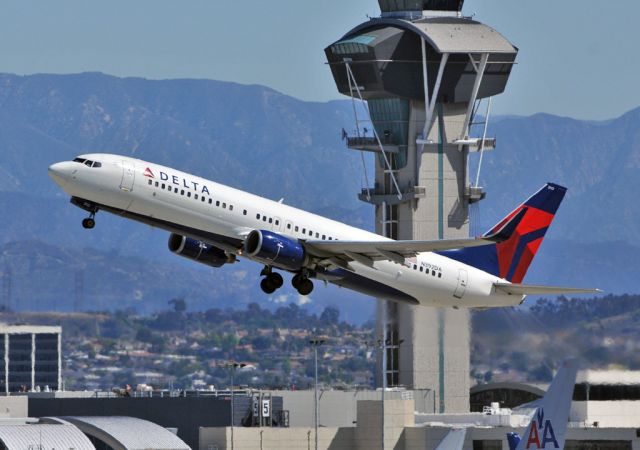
{"x":422,"y":69}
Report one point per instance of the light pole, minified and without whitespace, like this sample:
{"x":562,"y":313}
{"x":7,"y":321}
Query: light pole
{"x":383,"y":345}
{"x":232,"y":366}
{"x":316,"y":342}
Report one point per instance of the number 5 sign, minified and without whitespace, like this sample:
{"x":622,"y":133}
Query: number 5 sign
{"x":266,"y":408}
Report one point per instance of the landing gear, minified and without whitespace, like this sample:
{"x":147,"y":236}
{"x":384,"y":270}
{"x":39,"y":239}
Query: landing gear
{"x":89,"y":222}
{"x":271,"y":281}
{"x":302,"y":284}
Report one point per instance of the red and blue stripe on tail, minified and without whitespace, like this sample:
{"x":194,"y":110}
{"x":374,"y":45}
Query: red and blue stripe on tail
{"x":520,"y":235}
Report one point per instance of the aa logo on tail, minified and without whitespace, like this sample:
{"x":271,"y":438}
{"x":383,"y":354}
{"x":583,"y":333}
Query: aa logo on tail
{"x":148,"y":173}
{"x":541,"y":433}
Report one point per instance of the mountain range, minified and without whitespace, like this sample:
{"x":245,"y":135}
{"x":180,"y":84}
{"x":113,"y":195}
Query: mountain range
{"x":259,"y":140}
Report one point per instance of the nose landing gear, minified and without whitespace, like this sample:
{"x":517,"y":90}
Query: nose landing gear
{"x":271,"y":282}
{"x":89,"y":222}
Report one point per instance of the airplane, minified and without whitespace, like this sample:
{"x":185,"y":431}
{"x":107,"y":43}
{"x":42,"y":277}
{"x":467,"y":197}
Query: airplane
{"x":454,"y":440}
{"x":548,"y":426}
{"x":215,"y":225}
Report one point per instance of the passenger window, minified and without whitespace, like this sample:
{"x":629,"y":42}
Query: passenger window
{"x":163,"y":186}
{"x":270,"y":220}
{"x":330,"y":238}
{"x":150,"y":182}
{"x":217,"y":202}
{"x":304,"y":231}
{"x":188,"y":194}
{"x":157,"y":184}
{"x":324,"y":237}
{"x":310,"y":233}
{"x":317,"y":235}
{"x":288,"y":226}
{"x":244,"y":212}
{"x":264,"y":218}
{"x":224,"y":205}
{"x":297,"y":228}
{"x":230,"y":207}
{"x":210,"y":201}
{"x":203,"y":199}
{"x":433,"y":273}
{"x":258,"y":216}
{"x":277,"y":222}
{"x":415,"y":267}
{"x":196,"y":196}
{"x":175,"y":190}
{"x":182,"y":192}
{"x":421,"y":269}
{"x":439,"y":274}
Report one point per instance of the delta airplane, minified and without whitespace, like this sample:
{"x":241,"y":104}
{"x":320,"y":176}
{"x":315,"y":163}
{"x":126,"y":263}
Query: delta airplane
{"x":214,"y":224}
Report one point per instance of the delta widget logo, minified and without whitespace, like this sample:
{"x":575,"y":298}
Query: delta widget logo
{"x":148,"y":173}
{"x":541,"y":427}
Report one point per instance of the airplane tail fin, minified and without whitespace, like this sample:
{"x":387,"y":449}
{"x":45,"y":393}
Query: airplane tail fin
{"x":518,"y":237}
{"x":548,"y":426}
{"x":454,"y":440}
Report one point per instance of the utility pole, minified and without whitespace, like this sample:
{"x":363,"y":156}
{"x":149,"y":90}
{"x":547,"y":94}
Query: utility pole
{"x":232,"y":366}
{"x":316,"y":342}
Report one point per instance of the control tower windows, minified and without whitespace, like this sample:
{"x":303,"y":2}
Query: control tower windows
{"x":390,"y":117}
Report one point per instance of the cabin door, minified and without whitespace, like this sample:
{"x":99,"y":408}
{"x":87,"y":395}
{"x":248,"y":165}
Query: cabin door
{"x":461,"y":288}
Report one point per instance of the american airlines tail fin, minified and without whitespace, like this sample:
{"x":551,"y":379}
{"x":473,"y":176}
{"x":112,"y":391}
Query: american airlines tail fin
{"x":518,"y":237}
{"x":548,"y":426}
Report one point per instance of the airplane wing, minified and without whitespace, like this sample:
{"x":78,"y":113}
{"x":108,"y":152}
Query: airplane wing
{"x":367,"y":252}
{"x":529,"y":289}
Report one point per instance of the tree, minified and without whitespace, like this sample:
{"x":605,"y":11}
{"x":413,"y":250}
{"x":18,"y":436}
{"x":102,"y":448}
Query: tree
{"x":330,"y":316}
{"x":179,"y":305}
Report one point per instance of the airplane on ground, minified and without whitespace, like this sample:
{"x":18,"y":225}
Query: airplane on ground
{"x":454,"y":440}
{"x":215,"y":224}
{"x":548,"y":426}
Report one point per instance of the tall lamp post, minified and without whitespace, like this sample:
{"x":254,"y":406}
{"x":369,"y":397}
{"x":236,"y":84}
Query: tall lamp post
{"x":316,"y":342}
{"x":232,"y":366}
{"x":384,"y":345}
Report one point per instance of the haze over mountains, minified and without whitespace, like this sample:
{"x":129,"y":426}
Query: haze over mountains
{"x":259,"y":140}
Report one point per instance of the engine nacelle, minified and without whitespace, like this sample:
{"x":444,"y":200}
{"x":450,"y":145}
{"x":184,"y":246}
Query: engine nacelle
{"x":199,"y":251}
{"x":275,"y":250}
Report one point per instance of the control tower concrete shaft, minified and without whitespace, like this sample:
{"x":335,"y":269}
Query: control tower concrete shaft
{"x":422,"y":68}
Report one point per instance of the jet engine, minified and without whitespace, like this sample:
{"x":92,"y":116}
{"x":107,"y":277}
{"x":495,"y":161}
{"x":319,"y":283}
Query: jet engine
{"x":199,"y":251}
{"x":275,"y":250}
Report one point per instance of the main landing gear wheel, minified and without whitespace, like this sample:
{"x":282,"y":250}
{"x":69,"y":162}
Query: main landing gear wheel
{"x":302,"y":284}
{"x":88,"y":223}
{"x":271,"y":282}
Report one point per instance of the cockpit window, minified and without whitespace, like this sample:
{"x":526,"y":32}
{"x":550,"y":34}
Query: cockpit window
{"x":88,"y":162}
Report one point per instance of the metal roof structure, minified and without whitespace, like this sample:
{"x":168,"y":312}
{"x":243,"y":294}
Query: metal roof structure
{"x":61,"y":436}
{"x":449,"y":34}
{"x":508,"y":385}
{"x":127,"y":433}
{"x":29,"y":329}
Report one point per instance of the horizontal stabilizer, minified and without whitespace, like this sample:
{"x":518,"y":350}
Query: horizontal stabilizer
{"x":530,"y":289}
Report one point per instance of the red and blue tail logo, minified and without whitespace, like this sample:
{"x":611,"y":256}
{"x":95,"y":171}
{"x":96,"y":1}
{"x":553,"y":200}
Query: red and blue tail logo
{"x":521,"y":234}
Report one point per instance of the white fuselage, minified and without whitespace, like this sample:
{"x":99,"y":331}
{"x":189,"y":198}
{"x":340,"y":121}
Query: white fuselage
{"x":175,"y":200}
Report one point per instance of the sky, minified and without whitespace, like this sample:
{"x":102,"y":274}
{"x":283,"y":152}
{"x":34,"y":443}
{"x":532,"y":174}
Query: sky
{"x":578,"y":58}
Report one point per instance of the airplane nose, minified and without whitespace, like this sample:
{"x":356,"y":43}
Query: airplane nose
{"x":59,"y":172}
